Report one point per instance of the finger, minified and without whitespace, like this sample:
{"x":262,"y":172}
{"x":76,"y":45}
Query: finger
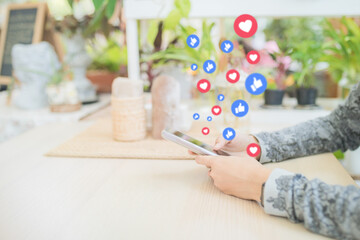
{"x":220,"y":143}
{"x":191,"y":153}
{"x":204,"y":160}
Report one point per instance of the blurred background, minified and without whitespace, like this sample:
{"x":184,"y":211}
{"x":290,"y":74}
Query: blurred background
{"x":310,"y":54}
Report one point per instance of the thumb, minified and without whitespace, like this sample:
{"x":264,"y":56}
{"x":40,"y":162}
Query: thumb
{"x":220,"y":142}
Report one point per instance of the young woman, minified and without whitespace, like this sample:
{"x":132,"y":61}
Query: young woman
{"x":329,"y":210}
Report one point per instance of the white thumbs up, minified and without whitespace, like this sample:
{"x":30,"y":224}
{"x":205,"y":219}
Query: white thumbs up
{"x":229,"y":134}
{"x":257,"y":84}
{"x":239,"y":109}
{"x":209,"y":67}
{"x":193,"y":41}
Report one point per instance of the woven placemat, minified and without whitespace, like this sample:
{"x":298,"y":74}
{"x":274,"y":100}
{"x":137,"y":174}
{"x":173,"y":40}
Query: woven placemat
{"x":97,"y":142}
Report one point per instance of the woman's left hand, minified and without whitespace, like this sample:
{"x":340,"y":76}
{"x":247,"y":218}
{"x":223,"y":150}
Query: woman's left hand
{"x":238,"y":176}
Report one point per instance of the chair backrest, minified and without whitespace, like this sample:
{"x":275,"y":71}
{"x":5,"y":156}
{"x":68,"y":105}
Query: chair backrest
{"x":152,"y":9}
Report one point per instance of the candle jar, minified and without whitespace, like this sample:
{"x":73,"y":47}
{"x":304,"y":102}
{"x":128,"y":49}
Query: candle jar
{"x":127,"y":110}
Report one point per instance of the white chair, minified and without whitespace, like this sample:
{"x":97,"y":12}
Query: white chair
{"x":137,"y":10}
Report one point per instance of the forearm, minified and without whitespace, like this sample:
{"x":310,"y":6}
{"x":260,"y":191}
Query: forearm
{"x":332,"y":211}
{"x":339,"y":130}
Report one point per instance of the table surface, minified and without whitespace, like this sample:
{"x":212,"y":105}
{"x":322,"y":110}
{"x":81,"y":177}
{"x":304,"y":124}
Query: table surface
{"x":78,"y":198}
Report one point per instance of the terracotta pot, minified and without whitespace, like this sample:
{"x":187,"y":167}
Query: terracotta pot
{"x":102,"y":80}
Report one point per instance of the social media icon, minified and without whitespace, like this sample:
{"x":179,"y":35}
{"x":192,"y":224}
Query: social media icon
{"x":193,"y":41}
{"x":221,"y":97}
{"x":209,"y":66}
{"x":194,"y":67}
{"x":253,"y":150}
{"x":239,"y":108}
{"x":229,"y":134}
{"x":196,"y":116}
{"x":253,"y":57}
{"x":205,"y":131}
{"x":203,"y":85}
{"x":216,"y":110}
{"x":209,"y":118}
{"x":255,"y":83}
{"x":227,"y":46}
{"x":245,"y":25}
{"x":232,"y":76}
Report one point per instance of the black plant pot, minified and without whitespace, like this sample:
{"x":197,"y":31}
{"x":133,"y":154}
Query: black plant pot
{"x":273,"y":97}
{"x":306,"y":96}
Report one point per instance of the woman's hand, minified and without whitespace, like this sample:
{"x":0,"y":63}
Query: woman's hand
{"x":235,"y":146}
{"x":238,"y":176}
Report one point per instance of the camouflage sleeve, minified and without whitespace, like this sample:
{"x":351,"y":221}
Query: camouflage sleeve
{"x":330,"y":210}
{"x":339,"y":130}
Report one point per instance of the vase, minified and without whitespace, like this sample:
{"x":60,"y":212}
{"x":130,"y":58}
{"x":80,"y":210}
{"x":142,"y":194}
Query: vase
{"x":78,"y":60}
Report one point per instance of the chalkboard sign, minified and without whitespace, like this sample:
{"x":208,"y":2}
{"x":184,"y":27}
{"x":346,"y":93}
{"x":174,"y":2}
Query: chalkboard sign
{"x":24,"y":23}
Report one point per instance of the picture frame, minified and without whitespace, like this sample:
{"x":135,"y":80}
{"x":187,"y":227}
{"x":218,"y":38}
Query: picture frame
{"x":23,"y":23}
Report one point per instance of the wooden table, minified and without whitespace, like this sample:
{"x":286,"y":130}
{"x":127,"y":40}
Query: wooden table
{"x":78,"y":198}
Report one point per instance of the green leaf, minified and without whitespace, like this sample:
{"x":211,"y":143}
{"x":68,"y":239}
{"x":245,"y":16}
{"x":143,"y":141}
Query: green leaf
{"x":152,"y":31}
{"x":96,"y":22}
{"x":110,"y":8}
{"x":172,"y":20}
{"x":98,"y":4}
{"x":183,"y":6}
{"x":70,"y":2}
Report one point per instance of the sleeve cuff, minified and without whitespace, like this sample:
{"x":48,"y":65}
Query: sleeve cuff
{"x":263,"y":158}
{"x":272,"y":192}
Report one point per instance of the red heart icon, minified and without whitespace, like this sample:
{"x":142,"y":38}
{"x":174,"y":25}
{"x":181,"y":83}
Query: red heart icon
{"x":203,"y":85}
{"x":205,"y":131}
{"x":216,"y":110}
{"x":253,"y":150}
{"x":253,"y":57}
{"x":232,"y":76}
{"x":245,"y":25}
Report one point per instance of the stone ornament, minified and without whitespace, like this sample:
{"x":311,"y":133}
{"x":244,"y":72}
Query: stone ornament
{"x":33,"y":65}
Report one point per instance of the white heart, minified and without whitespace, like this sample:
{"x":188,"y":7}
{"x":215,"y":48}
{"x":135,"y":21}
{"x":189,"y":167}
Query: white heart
{"x":205,"y":131}
{"x":203,"y":85}
{"x":245,"y":26}
{"x":253,"y":150}
{"x":216,"y":110}
{"x":253,"y":57}
{"x":232,"y":76}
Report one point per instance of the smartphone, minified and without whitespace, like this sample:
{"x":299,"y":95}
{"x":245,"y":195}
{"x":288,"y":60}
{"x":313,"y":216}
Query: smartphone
{"x":190,"y":143}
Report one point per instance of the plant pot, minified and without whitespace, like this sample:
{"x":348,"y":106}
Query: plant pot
{"x":274,"y":96}
{"x":102,"y":80}
{"x":306,"y":96}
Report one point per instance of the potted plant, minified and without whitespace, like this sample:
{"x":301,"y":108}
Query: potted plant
{"x":61,"y":91}
{"x":343,"y":56}
{"x":164,"y":56}
{"x":342,"y":51}
{"x":109,"y":60}
{"x":305,"y":50}
{"x":307,"y":54}
{"x":276,"y":64}
{"x":77,"y":29}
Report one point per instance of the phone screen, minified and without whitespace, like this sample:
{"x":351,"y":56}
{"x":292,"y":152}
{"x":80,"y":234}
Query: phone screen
{"x":199,"y":143}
